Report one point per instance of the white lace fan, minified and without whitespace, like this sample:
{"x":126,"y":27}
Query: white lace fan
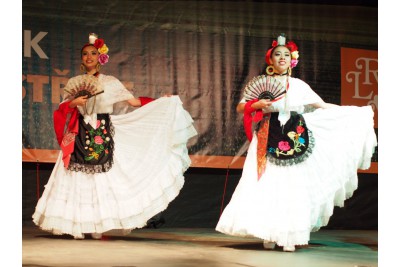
{"x":264,"y":87}
{"x":83,"y":85}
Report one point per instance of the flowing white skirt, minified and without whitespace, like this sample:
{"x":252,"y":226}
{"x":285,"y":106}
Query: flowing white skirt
{"x":150,"y":158}
{"x":288,"y":203}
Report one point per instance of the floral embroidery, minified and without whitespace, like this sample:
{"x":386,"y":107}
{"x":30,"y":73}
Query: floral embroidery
{"x":290,"y":144}
{"x":292,"y":161}
{"x":300,"y":129}
{"x":94,"y":146}
{"x":96,"y":141}
{"x":284,"y":148}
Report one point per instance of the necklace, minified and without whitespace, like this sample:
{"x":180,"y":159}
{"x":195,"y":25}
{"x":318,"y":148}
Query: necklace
{"x":282,"y":74}
{"x":94,"y":74}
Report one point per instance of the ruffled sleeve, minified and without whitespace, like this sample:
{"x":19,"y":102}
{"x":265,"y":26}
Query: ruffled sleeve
{"x":114,"y":90}
{"x":114,"y":96}
{"x":299,"y":95}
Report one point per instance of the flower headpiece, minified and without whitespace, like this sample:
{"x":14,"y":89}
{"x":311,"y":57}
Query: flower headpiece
{"x":281,"y":41}
{"x":101,"y":47}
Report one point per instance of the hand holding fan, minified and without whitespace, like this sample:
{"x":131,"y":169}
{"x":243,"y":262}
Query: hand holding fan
{"x":260,"y":87}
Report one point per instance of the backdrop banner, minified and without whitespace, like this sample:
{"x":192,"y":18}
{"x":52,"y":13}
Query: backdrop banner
{"x":204,"y":51}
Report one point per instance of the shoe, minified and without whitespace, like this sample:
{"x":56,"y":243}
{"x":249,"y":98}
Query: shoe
{"x":289,"y":248}
{"x":57,"y":232}
{"x":156,"y":221}
{"x":268,"y":245}
{"x":79,"y":237}
{"x":96,"y":235}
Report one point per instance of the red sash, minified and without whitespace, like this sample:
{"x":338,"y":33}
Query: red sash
{"x":262,"y":134}
{"x":66,"y":139}
{"x":145,"y":100}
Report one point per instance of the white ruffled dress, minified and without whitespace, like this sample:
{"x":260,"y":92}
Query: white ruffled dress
{"x":289,"y":202}
{"x":150,"y":158}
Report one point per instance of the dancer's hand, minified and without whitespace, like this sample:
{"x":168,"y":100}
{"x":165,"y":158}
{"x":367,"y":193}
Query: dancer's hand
{"x":79,"y":101}
{"x":260,"y":104}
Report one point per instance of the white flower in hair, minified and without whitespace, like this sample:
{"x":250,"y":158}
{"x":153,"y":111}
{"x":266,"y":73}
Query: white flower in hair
{"x":92,"y":38}
{"x":281,"y":39}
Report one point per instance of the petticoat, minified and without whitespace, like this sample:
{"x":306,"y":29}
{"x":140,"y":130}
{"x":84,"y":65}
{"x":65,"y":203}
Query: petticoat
{"x":150,"y":158}
{"x":289,"y":202}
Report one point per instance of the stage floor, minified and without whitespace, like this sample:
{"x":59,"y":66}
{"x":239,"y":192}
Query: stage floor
{"x":196,"y":247}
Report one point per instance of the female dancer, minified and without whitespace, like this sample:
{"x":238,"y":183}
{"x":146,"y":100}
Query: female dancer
{"x":116,"y":168}
{"x":300,"y":164}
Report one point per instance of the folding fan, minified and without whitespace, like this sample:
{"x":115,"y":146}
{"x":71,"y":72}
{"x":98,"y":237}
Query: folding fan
{"x":264,"y":87}
{"x":83,"y":85}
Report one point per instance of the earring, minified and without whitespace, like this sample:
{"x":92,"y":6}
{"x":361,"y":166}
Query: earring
{"x":289,"y":71}
{"x":270,"y":70}
{"x":82,"y":68}
{"x":98,"y":67}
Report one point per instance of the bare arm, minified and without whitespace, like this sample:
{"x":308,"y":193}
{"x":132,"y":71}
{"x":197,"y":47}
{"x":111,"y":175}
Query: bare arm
{"x":135,"y":102}
{"x":142,"y":101}
{"x":79,"y":101}
{"x":240,"y":107}
{"x":323,"y":105}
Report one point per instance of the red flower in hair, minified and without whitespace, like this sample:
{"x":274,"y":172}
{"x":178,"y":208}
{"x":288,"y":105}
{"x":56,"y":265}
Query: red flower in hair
{"x":274,"y":43}
{"x":98,"y":43}
{"x":291,"y":46}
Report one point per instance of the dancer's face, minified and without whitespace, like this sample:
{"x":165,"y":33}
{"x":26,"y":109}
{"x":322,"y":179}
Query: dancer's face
{"x":90,"y":57}
{"x":281,"y":58}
